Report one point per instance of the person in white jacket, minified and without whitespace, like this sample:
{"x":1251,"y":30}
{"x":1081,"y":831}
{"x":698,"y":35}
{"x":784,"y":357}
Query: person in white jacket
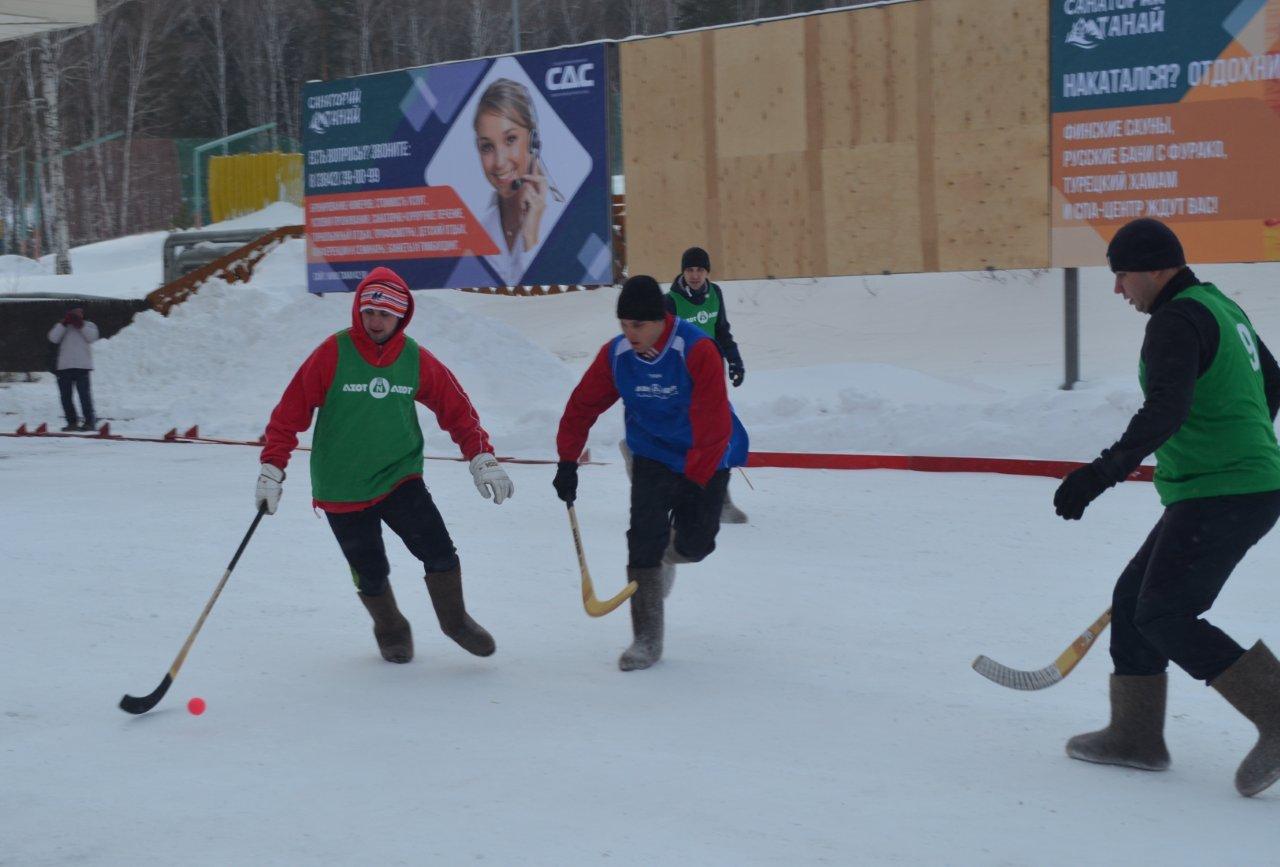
{"x":75,"y":359}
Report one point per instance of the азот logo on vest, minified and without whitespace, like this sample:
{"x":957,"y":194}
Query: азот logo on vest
{"x":378,"y":387}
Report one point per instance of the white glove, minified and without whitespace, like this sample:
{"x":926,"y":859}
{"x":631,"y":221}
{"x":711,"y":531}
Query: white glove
{"x":490,"y":478}
{"x":267,"y":494}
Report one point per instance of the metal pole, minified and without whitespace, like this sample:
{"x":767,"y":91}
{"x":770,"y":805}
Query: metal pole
{"x":515,"y":24}
{"x":1071,"y":320}
{"x":97,"y":141}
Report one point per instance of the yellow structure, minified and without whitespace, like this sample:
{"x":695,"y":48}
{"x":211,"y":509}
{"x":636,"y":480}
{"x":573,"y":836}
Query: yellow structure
{"x":244,"y":183}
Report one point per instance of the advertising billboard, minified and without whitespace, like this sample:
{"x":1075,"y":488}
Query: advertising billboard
{"x":490,"y":172}
{"x":1167,"y":109}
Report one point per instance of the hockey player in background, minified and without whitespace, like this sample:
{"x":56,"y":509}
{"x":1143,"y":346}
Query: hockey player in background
{"x":1211,"y":390}
{"x":684,"y":437}
{"x":698,"y":301}
{"x":366,"y":458}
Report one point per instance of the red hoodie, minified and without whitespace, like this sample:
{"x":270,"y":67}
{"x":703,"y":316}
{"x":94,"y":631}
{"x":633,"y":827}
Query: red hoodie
{"x":438,"y":390}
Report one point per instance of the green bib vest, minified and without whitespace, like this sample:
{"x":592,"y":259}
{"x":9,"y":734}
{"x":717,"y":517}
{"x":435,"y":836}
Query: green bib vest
{"x":367,"y":435}
{"x":1227,"y":445}
{"x":703,"y":315}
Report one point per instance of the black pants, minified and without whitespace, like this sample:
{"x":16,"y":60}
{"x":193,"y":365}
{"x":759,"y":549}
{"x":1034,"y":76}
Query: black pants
{"x":661,"y":500}
{"x":412,"y":515}
{"x":79,"y":378}
{"x":1176,"y":576}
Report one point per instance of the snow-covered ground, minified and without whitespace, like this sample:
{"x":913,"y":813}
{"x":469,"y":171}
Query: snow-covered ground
{"x":815,"y":703}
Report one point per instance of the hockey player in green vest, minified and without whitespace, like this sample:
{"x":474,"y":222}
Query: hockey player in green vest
{"x":695,"y":299}
{"x":366,"y":458}
{"x":1211,"y":391}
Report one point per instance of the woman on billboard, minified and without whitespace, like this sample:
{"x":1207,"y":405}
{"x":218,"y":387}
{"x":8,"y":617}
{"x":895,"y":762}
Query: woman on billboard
{"x":510,"y":150}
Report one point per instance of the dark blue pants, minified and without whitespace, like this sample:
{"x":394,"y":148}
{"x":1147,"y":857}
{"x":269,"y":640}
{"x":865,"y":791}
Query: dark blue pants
{"x":1176,"y":576}
{"x":663,"y":500}
{"x":412,"y":515}
{"x":77,"y":377}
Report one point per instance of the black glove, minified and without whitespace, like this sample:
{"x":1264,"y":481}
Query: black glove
{"x":566,"y":480}
{"x":737,"y":372}
{"x":1080,"y":488}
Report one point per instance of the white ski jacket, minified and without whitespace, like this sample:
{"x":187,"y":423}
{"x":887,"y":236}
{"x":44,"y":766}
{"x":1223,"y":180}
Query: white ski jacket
{"x":73,"y":345}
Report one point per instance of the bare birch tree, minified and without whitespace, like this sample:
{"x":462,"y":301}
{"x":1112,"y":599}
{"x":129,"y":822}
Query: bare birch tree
{"x":573,"y":19}
{"x":213,"y":17}
{"x":53,"y":142}
{"x":477,"y":33}
{"x":415,"y":18}
{"x":101,"y":42}
{"x":150,"y":20}
{"x":278,"y":25}
{"x":8,"y":204}
{"x":369,"y":14}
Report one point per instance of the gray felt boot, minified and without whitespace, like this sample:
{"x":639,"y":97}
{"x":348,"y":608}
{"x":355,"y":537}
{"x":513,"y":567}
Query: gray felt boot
{"x":729,"y":513}
{"x":646,"y":620}
{"x":667,"y":571}
{"x":1252,"y":686}
{"x":1135,"y":736}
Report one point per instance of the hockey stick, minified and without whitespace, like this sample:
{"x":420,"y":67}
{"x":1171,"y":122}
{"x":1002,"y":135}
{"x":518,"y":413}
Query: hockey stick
{"x":135,"y":705}
{"x":1015,"y":678}
{"x":594,"y":606}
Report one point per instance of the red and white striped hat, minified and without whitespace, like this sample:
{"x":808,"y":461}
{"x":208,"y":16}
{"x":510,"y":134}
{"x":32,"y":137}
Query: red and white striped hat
{"x":382,"y":295}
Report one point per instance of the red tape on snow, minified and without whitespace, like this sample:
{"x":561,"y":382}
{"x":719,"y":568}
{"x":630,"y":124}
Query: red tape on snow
{"x":919,"y":463}
{"x":787,"y":460}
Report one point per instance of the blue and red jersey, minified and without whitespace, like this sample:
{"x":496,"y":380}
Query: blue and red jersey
{"x":677,"y":406}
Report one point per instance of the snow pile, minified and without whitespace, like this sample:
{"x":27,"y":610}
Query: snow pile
{"x":273,"y":216}
{"x":19,"y":266}
{"x":128,"y":267}
{"x":222,"y":359}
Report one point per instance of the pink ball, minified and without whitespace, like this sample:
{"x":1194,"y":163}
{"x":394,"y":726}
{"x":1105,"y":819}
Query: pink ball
{"x":196,"y":706}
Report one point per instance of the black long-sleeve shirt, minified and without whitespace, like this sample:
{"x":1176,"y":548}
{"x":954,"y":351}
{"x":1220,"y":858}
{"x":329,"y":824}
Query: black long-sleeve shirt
{"x":724,"y":337}
{"x":1181,"y":342}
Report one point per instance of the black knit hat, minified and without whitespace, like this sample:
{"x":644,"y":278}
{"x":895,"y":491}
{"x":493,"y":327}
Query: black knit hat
{"x":695,"y":257}
{"x":641,"y":299}
{"x":1145,"y":245}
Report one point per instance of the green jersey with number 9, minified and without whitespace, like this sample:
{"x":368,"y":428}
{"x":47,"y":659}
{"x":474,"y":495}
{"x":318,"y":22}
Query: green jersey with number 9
{"x":1227,"y":445}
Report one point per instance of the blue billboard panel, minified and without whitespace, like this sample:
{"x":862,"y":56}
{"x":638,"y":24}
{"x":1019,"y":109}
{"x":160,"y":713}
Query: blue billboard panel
{"x":488,"y":172}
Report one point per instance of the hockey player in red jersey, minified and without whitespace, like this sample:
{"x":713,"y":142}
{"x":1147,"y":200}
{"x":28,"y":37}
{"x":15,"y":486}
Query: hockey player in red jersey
{"x":366,"y":461}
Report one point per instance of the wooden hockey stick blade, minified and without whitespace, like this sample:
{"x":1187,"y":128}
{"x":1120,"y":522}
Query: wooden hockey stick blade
{"x":597,"y":608}
{"x":1014,"y":678}
{"x":593,"y":605}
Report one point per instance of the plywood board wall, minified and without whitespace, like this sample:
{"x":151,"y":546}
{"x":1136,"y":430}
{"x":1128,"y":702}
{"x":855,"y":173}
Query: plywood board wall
{"x":907,"y":137}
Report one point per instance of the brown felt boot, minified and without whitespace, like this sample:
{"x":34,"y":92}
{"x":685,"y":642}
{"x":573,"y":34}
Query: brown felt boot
{"x":446,"y":595}
{"x":1135,"y":736}
{"x":391,"y":630}
{"x":1252,"y":686}
{"x":646,"y":620}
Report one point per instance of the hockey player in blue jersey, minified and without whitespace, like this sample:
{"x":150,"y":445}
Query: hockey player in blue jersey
{"x":685,"y":438}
